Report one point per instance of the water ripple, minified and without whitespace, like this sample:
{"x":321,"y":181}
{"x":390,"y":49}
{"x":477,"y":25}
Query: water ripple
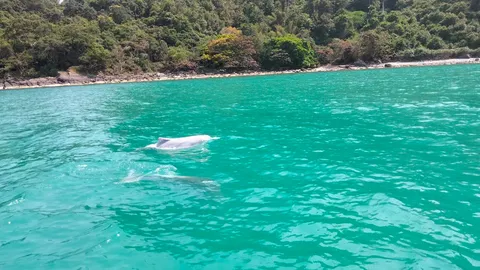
{"x":312,"y":171}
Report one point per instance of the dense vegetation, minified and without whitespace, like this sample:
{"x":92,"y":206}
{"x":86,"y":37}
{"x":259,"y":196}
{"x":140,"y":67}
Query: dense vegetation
{"x":42,"y":37}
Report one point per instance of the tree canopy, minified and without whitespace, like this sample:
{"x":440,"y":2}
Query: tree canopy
{"x":42,"y":37}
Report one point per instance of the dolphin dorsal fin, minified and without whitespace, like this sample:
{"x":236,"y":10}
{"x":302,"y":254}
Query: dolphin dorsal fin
{"x":162,"y":141}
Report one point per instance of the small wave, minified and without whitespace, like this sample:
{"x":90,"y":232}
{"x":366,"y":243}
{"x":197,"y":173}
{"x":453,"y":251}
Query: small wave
{"x":166,"y":170}
{"x":366,"y":109}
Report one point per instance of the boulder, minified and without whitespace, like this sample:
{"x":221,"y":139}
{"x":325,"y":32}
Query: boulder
{"x":71,"y":77}
{"x":41,"y":81}
{"x":360,"y":63}
{"x":388,"y":65}
{"x":8,"y":85}
{"x":465,"y":56}
{"x":477,"y":59}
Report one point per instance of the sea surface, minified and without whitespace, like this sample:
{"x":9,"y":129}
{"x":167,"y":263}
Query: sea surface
{"x":373,"y":169}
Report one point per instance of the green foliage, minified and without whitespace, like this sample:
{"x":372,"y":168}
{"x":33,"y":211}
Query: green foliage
{"x":119,"y":14}
{"x":426,"y":54}
{"x":347,"y":24}
{"x":436,"y":43}
{"x":79,"y":8}
{"x":42,"y":37}
{"x":181,"y":59}
{"x":231,"y":51}
{"x":288,"y":52}
{"x":373,"y":45}
{"x":94,"y":59}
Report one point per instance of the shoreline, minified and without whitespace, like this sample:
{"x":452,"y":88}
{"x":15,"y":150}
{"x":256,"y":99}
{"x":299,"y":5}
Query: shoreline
{"x":77,"y":80}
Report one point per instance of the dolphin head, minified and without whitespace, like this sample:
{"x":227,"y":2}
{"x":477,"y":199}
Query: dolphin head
{"x":204,"y":138}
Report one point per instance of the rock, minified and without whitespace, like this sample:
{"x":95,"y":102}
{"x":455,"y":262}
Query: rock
{"x":41,"y":81}
{"x":388,"y":65}
{"x":71,"y":77}
{"x":360,"y":63}
{"x":477,"y":59}
{"x":465,"y":56}
{"x":378,"y":61}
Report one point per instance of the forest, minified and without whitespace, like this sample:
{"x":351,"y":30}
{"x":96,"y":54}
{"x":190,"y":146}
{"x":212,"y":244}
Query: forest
{"x":42,"y":37}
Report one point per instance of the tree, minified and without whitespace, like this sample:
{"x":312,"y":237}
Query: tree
{"x":41,"y":37}
{"x":343,"y":52}
{"x":435,"y":43}
{"x":288,"y":52}
{"x":475,"y":5}
{"x":374,"y":45}
{"x":6,"y":51}
{"x":231,"y":51}
{"x":119,"y":14}
{"x":94,"y":59}
{"x":79,"y":8}
{"x":181,"y":59}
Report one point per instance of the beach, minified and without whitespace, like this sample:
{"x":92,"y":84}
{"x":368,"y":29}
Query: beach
{"x":66,"y":79}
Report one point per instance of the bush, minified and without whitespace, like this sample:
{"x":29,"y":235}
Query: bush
{"x":288,"y":52}
{"x":119,"y":14}
{"x":179,"y":55}
{"x":436,"y":43}
{"x":324,"y":54}
{"x":374,"y":45}
{"x":474,"y":40}
{"x":343,"y":52}
{"x":231,"y":51}
{"x":421,"y":54}
{"x":95,"y":59}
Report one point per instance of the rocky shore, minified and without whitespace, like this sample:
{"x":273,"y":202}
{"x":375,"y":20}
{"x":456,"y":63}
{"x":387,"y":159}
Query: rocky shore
{"x":72,"y":78}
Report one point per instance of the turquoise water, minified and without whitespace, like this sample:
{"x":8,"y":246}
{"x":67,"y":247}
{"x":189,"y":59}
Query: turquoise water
{"x":375,"y":169}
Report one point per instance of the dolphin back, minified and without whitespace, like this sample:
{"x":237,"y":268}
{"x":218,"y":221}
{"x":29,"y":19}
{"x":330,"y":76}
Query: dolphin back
{"x":184,"y":142}
{"x":162,"y":141}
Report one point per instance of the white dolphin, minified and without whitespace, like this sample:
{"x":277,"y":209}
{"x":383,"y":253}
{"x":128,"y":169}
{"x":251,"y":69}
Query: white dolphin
{"x":171,"y":176}
{"x":181,"y":143}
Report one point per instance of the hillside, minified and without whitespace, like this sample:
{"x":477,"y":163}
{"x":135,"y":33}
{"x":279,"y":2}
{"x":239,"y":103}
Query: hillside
{"x":39,"y":38}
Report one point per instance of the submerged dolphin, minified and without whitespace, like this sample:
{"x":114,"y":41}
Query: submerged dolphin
{"x":204,"y":183}
{"x":181,"y":143}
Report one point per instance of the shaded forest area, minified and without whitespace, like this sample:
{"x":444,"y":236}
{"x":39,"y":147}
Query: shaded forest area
{"x":41,"y":37}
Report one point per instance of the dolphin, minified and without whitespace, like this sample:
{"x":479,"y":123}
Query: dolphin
{"x":205,"y":183}
{"x":181,"y":143}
